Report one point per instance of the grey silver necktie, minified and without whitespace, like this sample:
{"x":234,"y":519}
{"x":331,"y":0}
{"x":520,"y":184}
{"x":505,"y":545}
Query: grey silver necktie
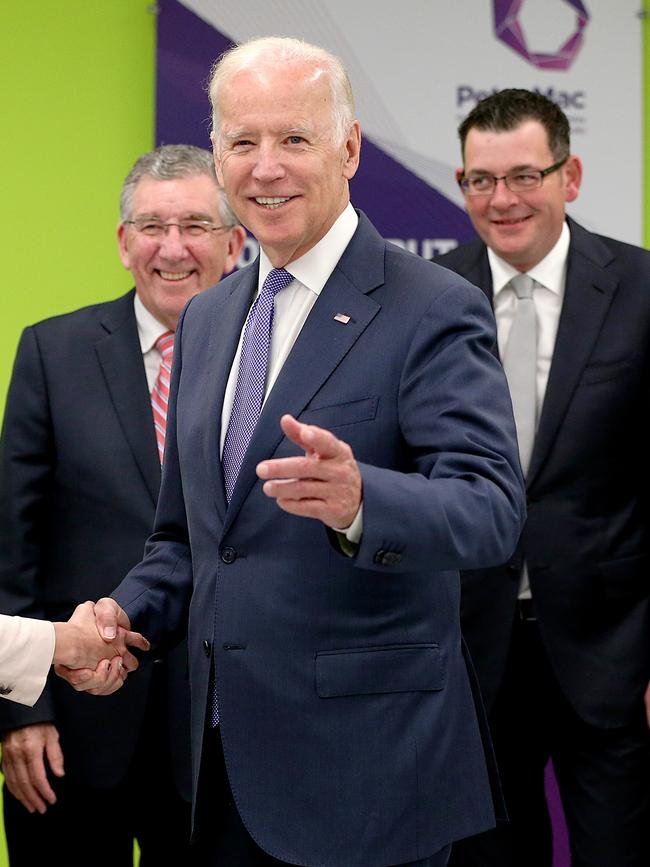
{"x":520,"y":365}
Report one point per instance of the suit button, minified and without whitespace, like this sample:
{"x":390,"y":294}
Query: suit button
{"x":207,"y":647}
{"x":387,"y":558}
{"x":228,"y":555}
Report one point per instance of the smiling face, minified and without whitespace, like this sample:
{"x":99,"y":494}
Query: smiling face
{"x":276,"y":156}
{"x":169,"y":270}
{"x":521,"y":228}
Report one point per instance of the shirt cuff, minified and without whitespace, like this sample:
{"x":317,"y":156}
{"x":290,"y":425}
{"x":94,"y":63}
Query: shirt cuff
{"x":350,"y":537}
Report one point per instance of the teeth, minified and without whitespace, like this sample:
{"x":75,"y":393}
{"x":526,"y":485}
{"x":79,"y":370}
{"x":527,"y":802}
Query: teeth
{"x":271,"y":201}
{"x":174,"y":275}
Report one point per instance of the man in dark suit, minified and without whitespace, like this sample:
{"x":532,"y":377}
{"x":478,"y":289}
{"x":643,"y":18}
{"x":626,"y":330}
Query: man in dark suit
{"x":333,"y":721}
{"x":560,"y":633}
{"x":79,"y":480}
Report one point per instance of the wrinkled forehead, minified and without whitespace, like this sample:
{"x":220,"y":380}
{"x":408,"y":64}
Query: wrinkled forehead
{"x":283,"y":86}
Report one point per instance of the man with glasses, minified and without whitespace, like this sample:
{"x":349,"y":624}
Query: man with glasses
{"x":560,"y":633}
{"x":79,"y":477}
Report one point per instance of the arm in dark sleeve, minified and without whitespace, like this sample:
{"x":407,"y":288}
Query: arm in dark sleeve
{"x":156,"y":593}
{"x":460,"y":503}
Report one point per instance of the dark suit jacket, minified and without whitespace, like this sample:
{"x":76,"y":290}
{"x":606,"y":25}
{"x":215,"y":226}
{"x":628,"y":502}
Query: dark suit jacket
{"x":586,"y":538}
{"x":348,"y":723}
{"x":79,"y":480}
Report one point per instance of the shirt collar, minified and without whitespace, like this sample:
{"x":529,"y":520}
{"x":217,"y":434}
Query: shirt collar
{"x":314,"y":268}
{"x":550,"y":272}
{"x":149,"y":329}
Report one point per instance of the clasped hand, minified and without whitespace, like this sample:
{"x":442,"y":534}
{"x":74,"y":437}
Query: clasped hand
{"x":88,"y":662}
{"x":91,"y":651}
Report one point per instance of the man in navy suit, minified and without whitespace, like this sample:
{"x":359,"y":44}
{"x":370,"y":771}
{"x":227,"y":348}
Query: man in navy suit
{"x":333,"y":720}
{"x":79,"y":480}
{"x":560,"y":634}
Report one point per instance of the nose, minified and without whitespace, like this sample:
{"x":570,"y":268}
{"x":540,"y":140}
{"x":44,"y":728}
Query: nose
{"x":503,"y":197}
{"x":268,"y":164}
{"x":172,"y":244}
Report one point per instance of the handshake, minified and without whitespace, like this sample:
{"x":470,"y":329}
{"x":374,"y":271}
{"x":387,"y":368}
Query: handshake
{"x":91,"y":649}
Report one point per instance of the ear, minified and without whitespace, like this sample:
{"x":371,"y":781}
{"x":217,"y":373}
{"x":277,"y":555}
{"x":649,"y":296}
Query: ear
{"x":572,"y":173}
{"x":352,"y":151}
{"x":122,"y":246}
{"x":459,"y":175}
{"x":216,"y":157}
{"x":236,"y":240}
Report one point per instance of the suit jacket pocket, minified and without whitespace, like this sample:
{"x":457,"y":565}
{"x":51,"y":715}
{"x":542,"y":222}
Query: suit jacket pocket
{"x":605,"y":371}
{"x":625,"y":578}
{"x":368,"y":670}
{"x":340,"y":414}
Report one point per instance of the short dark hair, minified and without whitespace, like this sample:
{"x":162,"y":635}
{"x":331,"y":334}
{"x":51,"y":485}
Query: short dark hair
{"x":507,"y":109}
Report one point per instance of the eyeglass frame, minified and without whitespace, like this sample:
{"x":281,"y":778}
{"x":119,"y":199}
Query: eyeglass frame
{"x":463,"y":179}
{"x":206,"y":225}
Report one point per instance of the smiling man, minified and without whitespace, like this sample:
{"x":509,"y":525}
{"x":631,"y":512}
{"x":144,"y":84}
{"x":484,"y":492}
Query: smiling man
{"x":560,"y":634}
{"x":340,"y":444}
{"x":79,"y":478}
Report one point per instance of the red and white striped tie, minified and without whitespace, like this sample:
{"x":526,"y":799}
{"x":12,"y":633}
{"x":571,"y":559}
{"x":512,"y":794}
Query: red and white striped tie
{"x":160,"y":392}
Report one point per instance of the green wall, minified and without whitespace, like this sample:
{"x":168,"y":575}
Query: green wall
{"x":77,"y":97}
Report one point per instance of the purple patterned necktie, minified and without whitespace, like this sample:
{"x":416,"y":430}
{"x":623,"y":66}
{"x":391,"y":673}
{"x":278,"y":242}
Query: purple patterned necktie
{"x":251,"y":377}
{"x":249,"y":391}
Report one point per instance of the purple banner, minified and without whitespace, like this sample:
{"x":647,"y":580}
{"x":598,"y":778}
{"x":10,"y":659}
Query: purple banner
{"x":402,"y":206}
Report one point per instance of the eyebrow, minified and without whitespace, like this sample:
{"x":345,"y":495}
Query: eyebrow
{"x":245,"y":133}
{"x":526,"y":167}
{"x":235,"y":134}
{"x":297,"y":130}
{"x":191,"y":215}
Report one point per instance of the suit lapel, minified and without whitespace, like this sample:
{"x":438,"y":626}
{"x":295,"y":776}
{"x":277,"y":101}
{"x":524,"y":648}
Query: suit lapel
{"x":120,"y":358}
{"x":589,"y":291}
{"x":227,"y":323}
{"x":321,"y":345}
{"x":478,"y":272}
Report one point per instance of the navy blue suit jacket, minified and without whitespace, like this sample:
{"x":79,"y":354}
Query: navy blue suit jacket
{"x":586,"y":538}
{"x":349,"y":727}
{"x":79,"y":480}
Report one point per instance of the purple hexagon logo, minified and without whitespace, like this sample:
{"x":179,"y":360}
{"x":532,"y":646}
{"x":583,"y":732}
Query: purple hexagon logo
{"x":508,"y":29}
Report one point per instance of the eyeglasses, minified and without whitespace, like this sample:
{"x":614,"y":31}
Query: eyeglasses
{"x":191,"y":228}
{"x":516,"y":182}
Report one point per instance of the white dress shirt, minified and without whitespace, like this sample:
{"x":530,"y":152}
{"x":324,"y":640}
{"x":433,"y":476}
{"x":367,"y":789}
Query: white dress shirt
{"x":26,"y":653}
{"x":548,"y":294}
{"x":550,"y":280}
{"x":149,"y":330}
{"x":292,"y":307}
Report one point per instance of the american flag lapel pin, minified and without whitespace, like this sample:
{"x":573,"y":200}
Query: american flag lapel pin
{"x":342,"y":317}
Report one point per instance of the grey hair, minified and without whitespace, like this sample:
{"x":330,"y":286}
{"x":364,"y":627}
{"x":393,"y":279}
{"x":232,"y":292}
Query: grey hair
{"x":288,"y":50}
{"x":166,"y":163}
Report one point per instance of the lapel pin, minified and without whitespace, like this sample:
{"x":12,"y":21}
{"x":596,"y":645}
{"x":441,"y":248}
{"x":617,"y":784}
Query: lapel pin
{"x":342,"y":317}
